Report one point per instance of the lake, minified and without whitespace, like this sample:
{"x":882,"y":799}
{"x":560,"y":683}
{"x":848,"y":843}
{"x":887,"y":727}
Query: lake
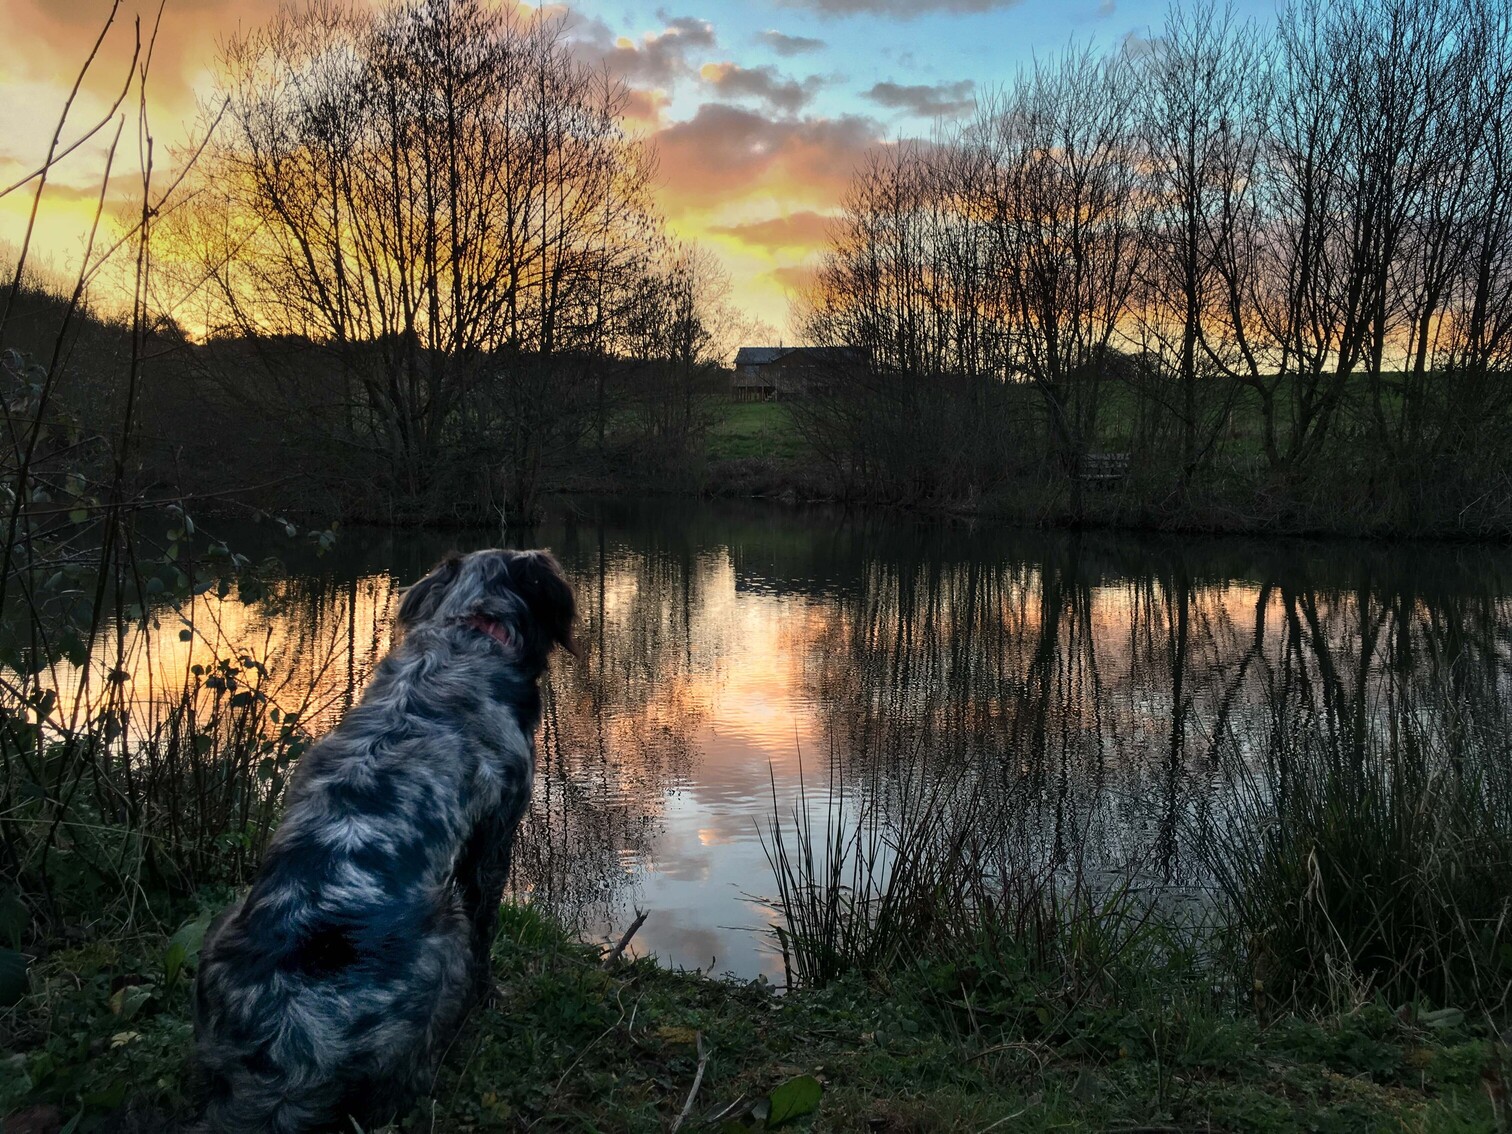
{"x":1124,"y":693}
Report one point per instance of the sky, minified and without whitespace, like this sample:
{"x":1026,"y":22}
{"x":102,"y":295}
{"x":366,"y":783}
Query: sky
{"x":759,"y":109}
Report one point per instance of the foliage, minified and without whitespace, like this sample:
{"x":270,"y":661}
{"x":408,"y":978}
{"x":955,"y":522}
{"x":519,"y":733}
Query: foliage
{"x":108,"y":795}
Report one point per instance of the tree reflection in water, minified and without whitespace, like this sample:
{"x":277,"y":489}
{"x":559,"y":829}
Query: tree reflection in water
{"x":1110,"y":690}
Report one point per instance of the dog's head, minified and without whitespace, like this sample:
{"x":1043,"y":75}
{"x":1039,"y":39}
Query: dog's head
{"x":515,"y":596}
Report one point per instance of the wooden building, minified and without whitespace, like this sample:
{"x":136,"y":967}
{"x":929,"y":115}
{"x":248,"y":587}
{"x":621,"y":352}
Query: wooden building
{"x":765,"y":374}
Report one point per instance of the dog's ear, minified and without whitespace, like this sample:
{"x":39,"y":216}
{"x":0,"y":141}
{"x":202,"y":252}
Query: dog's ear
{"x":537,"y":578}
{"x":424,"y":598}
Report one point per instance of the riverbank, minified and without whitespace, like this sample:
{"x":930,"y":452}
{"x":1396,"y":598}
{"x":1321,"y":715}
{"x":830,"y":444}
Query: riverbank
{"x":1049,"y":505}
{"x":576,"y":1045}
{"x":758,"y":451}
{"x":755,"y":450}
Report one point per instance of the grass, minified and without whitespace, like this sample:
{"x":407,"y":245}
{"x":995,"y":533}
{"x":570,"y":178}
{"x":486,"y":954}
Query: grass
{"x":574,"y":1045}
{"x":578,"y":1047}
{"x":745,"y":430}
{"x":1380,"y":867}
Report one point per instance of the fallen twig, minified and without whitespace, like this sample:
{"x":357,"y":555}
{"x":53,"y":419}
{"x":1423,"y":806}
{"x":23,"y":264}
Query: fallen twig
{"x":703,"y":1061}
{"x":614,"y":954}
{"x":724,"y":1112}
{"x":1001,"y":1121}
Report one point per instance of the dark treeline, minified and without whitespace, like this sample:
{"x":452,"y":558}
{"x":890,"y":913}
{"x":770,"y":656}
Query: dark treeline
{"x":423,"y":247}
{"x":1274,"y":268}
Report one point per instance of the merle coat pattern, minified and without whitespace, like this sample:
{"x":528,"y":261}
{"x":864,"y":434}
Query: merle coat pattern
{"x":329,"y":991}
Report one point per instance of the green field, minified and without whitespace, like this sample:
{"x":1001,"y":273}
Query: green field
{"x":743,"y":430}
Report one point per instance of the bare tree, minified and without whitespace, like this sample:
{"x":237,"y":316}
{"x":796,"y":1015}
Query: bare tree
{"x":669,"y":353}
{"x":1199,"y":137}
{"x":910,"y":281}
{"x":443,"y":197}
{"x":1403,"y":71}
{"x":1058,"y":184}
{"x":1451,"y":280}
{"x":1351,"y":136}
{"x":1481,"y":340}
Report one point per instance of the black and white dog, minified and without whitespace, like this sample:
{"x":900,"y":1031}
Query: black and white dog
{"x":328,"y":992}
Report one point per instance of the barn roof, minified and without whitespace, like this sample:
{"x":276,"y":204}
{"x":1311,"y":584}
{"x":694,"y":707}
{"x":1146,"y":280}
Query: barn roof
{"x":759,"y":355}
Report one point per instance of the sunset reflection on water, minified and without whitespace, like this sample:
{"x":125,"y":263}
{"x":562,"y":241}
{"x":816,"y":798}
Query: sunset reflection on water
{"x":1111,"y":687}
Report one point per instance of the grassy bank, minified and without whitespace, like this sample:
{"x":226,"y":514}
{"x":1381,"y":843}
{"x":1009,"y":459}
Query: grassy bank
{"x":755,"y":431}
{"x":573,"y":1045}
{"x":760,"y":450}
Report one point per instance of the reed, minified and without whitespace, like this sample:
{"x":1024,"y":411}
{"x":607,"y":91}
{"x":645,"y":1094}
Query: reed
{"x":910,"y":869}
{"x":857,"y":887}
{"x":1337,"y":871}
{"x":1362,"y":866}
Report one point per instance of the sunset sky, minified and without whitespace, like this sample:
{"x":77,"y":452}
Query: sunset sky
{"x":759,"y":109}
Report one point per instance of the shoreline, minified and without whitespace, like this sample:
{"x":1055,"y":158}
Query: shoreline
{"x":796,"y":485}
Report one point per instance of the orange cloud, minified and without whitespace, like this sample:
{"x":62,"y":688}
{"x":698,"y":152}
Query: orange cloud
{"x":724,"y":152}
{"x":794,"y":279}
{"x":804,"y":229}
{"x":757,"y":187}
{"x":58,"y":38}
{"x":644,"y":107}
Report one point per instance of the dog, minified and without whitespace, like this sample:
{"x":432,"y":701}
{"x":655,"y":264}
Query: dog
{"x":328,"y":993}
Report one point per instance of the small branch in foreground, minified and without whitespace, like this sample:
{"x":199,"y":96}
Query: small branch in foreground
{"x":614,"y":954}
{"x":703,"y":1062}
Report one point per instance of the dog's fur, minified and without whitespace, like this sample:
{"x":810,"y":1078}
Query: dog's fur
{"x":328,"y":992}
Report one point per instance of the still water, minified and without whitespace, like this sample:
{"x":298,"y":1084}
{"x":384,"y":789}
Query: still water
{"x":1127,"y":690}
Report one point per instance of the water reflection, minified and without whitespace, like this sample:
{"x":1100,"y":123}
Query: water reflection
{"x":1114,"y":689}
